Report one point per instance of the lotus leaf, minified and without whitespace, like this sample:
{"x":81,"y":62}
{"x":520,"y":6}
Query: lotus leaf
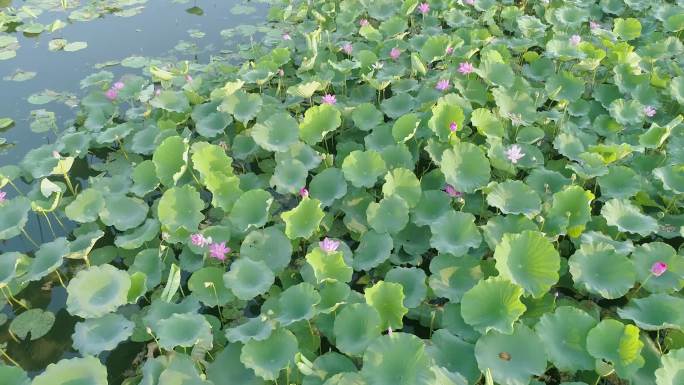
{"x":47,"y":259}
{"x":303,"y":220}
{"x":96,"y":335}
{"x":645,"y":255}
{"x":413,"y":284}
{"x":87,"y":371}
{"x":455,"y":233}
{"x":242,"y":105}
{"x":672,"y":368}
{"x":564,"y":334}
{"x":98,"y":290}
{"x":35,"y":322}
{"x":384,"y":362}
{"x":277,"y":133}
{"x":270,"y":246}
{"x":171,"y":160}
{"x":601,"y":270}
{"x":248,"y":278}
{"x":452,"y":276}
{"x":390,"y":215}
{"x":514,"y":197}
{"x":657,"y":311}
{"x":492,"y":304}
{"x":268,"y":357}
{"x":465,"y":167}
{"x":207,"y":285}
{"x":86,"y":207}
{"x":257,"y":328}
{"x":180,"y":208}
{"x":318,"y":122}
{"x":362,"y":168}
{"x":329,"y":266}
{"x":387,"y":298}
{"x":374,"y":248}
{"x":227,"y":364}
{"x":618,"y":344}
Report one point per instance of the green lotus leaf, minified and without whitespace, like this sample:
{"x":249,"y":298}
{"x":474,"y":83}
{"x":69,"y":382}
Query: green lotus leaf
{"x":497,"y":72}
{"x":374,"y":248}
{"x":627,"y":113}
{"x":499,"y":225}
{"x":209,"y":122}
{"x":329,"y":266}
{"x":620,"y":182}
{"x":384,"y":362}
{"x":628,"y":218}
{"x":225,"y":190}
{"x":86,"y":206}
{"x":492,"y":304}
{"x":672,"y":368}
{"x":672,"y":177}
{"x":390,"y":215}
{"x":433,"y":205}
{"x":387,"y":298}
{"x":207,"y":285}
{"x":362,"y":168}
{"x":403,"y":183}
{"x":443,"y":115}
{"x":36,"y":322}
{"x":174,"y":101}
{"x":617,"y":343}
{"x":645,"y":255}
{"x":452,"y":353}
{"x":171,"y":160}
{"x":144,"y":178}
{"x":512,"y":358}
{"x":48,"y":258}
{"x":179,"y":369}
{"x":123,"y":212}
{"x":627,"y":29}
{"x":570,"y":211}
{"x":455,"y":233}
{"x":356,"y":326}
{"x":8,"y":266}
{"x":97,"y":335}
{"x":304,"y":90}
{"x":97,"y":290}
{"x":270,"y":246}
{"x":328,"y":186}
{"x":181,"y":208}
{"x":289,"y":176}
{"x":333,"y":295}
{"x":601,"y":270}
{"x":268,"y":357}
{"x":227,"y":365}
{"x":529,"y":260}
{"x":514,"y":197}
{"x":398,"y":105}
{"x":655,"y":312}
{"x":135,"y":238}
{"x":564,"y":86}
{"x":303,"y":220}
{"x":82,"y":371}
{"x":297,"y":303}
{"x":242,"y":105}
{"x":184,"y":330}
{"x":564,"y":334}
{"x":277,"y":133}
{"x":248,"y":279}
{"x":465,"y":167}
{"x":39,"y":162}
{"x":251,"y":210}
{"x":319,"y":121}
{"x":211,"y":160}
{"x":149,"y":263}
{"x":366,"y":116}
{"x":487,"y":123}
{"x":405,"y":127}
{"x":257,"y":328}
{"x":413,"y":284}
{"x":677,"y":88}
{"x":452,"y":276}
{"x":13,"y":375}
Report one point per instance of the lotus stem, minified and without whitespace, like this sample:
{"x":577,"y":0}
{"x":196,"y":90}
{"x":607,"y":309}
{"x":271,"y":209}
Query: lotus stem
{"x":29,"y":238}
{"x":69,"y":185}
{"x":8,"y":358}
{"x":47,"y":219}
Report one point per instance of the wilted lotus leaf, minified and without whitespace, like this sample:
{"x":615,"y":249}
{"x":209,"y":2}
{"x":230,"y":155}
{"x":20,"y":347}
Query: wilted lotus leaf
{"x":617,"y":343}
{"x":277,"y":133}
{"x":413,"y":284}
{"x":124,"y":213}
{"x":388,"y":299}
{"x":48,"y":258}
{"x":35,"y":322}
{"x":181,"y":208}
{"x":514,"y":197}
{"x":645,"y":255}
{"x":257,"y":328}
{"x":455,"y":233}
{"x":374,"y":248}
{"x":465,"y":167}
{"x":171,"y":160}
{"x":248,"y":278}
{"x":227,"y":365}
{"x":303,"y":220}
{"x":270,"y":246}
{"x":672,"y":368}
{"x":268,"y":357}
{"x":390,"y":215}
{"x":251,"y":209}
{"x":329,"y":266}
{"x":98,"y":290}
{"x":207,"y":285}
{"x":512,"y":358}
{"x":655,"y":312}
{"x":564,"y":333}
{"x":186,"y":330}
{"x":452,"y":276}
{"x":601,"y":270}
{"x":362,"y":168}
{"x":529,"y":260}
{"x":82,"y":371}
{"x":86,"y":206}
{"x":492,"y":304}
{"x":96,"y":335}
{"x":328,"y":185}
{"x":319,"y":121}
{"x":384,"y":362}
{"x":297,"y":303}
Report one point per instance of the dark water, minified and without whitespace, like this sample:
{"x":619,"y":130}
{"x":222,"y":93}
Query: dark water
{"x":153,"y":33}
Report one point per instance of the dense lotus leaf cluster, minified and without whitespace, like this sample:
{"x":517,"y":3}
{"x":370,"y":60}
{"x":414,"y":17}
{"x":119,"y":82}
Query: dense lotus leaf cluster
{"x":385,"y":192}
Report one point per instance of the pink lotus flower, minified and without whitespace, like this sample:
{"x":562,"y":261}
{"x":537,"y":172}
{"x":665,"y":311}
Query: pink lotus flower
{"x":649,"y":111}
{"x":55,"y":154}
{"x":188,"y":78}
{"x":395,"y":53}
{"x":329,"y":99}
{"x":118,"y":85}
{"x":575,"y":39}
{"x":453,"y":126}
{"x":286,"y":36}
{"x":451,"y":191}
{"x":424,"y":8}
{"x":594,"y":25}
{"x":281,"y":72}
{"x":465,"y":68}
{"x":469,"y":2}
{"x":329,"y":245}
{"x":3,"y":196}
{"x":363,"y":22}
{"x":659,"y":268}
{"x":514,"y":153}
{"x":198,"y":240}
{"x":112,"y":94}
{"x":303,"y":192}
{"x":347,"y":48}
{"x":442,"y":85}
{"x":219,"y":251}
{"x":449,"y":50}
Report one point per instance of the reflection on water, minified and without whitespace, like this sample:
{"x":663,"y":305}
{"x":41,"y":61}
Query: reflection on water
{"x":188,"y":30}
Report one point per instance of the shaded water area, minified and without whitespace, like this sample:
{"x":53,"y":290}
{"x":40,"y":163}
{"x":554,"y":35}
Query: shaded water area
{"x":182,"y":30}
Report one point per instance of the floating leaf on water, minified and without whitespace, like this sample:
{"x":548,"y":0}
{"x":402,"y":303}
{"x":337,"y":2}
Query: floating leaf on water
{"x":96,"y":335}
{"x":34,"y":322}
{"x":97,"y":290}
{"x":86,"y":370}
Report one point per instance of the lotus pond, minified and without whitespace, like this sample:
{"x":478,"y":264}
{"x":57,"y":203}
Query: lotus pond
{"x":342,"y":192}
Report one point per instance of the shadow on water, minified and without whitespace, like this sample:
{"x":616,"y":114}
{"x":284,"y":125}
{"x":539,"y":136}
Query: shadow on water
{"x":155,"y":32}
